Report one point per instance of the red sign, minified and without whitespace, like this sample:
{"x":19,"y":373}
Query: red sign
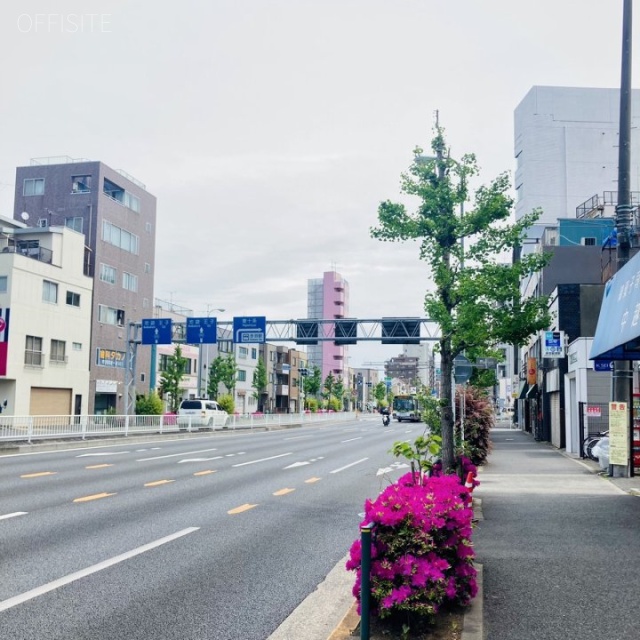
{"x":594,"y":412}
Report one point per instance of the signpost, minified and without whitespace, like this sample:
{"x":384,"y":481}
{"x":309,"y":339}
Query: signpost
{"x":462,"y":369}
{"x":202,"y":331}
{"x":553,"y":344}
{"x":248,"y":329}
{"x":156,"y":331}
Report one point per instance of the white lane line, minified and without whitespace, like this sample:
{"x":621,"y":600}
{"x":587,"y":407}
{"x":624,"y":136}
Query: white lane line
{"x":282,"y":455}
{"x":13,"y":515}
{"x":351,"y":440}
{"x":176,"y":455}
{"x":349,"y":465}
{"x":297,"y":437}
{"x":199,"y":459}
{"x":83,"y":573}
{"x":102,"y":453}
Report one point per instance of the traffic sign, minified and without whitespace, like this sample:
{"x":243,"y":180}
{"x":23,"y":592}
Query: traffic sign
{"x":252,"y":329}
{"x":156,"y":331}
{"x":462,"y":369}
{"x":202,"y":331}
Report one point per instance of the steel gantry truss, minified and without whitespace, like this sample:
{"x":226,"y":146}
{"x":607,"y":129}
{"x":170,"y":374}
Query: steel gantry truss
{"x":307,"y":331}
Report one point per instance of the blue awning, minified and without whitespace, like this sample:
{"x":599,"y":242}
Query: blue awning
{"x":618,"y":331}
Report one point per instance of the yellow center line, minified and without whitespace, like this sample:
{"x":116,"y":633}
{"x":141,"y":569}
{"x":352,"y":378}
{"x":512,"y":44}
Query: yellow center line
{"x":311,"y":480}
{"x":204,"y":473}
{"x":40,"y":474}
{"x":157,"y":483}
{"x":96,"y":496}
{"x":282,"y":492}
{"x":98,"y":466}
{"x":241,"y":508}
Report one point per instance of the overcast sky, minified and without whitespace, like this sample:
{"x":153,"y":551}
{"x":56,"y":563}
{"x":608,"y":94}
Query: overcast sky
{"x":269,"y":130}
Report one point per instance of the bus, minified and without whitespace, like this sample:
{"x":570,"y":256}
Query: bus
{"x":407,"y":407}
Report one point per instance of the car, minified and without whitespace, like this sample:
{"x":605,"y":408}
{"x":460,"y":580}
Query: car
{"x":200,"y":412}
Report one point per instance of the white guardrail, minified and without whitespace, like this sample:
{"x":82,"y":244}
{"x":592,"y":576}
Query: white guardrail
{"x":30,"y":428}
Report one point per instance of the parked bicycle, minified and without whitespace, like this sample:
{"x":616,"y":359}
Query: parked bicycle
{"x":590,"y":442}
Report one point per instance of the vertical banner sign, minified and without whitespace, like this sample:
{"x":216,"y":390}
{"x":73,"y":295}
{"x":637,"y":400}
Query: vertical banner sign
{"x":532,"y":371}
{"x":618,"y":434}
{"x":4,"y":340}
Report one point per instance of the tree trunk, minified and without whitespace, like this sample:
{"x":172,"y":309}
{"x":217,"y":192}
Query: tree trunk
{"x":446,"y":414}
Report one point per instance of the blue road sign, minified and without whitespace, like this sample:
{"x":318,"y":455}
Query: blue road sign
{"x":202,"y":331}
{"x":156,"y":331}
{"x":603,"y":365}
{"x":250,"y":329}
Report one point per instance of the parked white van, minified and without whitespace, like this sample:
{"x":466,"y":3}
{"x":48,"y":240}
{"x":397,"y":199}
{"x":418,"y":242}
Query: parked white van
{"x":201,"y":413}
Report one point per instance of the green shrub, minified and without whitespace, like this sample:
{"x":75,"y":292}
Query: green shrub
{"x":312,"y":405}
{"x":478,"y":421}
{"x":226,"y":402}
{"x":150,"y":405}
{"x":334,"y":404}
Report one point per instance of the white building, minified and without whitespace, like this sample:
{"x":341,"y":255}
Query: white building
{"x":566,"y":148}
{"x":46,"y":320}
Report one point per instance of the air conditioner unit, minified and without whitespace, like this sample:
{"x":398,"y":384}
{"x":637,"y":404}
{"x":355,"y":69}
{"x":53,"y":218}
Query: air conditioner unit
{"x":588,"y":242}
{"x":43,"y":222}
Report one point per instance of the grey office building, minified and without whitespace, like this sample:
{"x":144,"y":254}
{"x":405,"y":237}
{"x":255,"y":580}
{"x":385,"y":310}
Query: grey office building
{"x":117,"y":215}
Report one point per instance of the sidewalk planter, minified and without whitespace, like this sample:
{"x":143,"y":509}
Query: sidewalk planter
{"x":421,"y":554}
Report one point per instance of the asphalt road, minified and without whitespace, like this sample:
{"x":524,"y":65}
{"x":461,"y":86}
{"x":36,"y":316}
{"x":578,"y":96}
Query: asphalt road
{"x":219,"y":537}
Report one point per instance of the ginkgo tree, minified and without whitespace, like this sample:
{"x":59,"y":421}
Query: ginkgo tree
{"x":475,"y":298}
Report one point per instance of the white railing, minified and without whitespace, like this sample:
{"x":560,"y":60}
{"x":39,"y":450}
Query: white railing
{"x":34,"y":428}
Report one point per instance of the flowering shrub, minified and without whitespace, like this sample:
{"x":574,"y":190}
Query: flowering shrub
{"x":421,"y":555}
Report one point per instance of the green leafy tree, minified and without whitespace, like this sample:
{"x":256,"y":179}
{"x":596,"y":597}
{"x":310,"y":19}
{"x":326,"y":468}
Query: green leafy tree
{"x":339,"y":391}
{"x":229,"y":373}
{"x":171,"y":379}
{"x":476,"y":301}
{"x":313,"y":382}
{"x":150,"y":405}
{"x":216,"y":372}
{"x":380,"y":393}
{"x":328,"y":386}
{"x":260,"y":383}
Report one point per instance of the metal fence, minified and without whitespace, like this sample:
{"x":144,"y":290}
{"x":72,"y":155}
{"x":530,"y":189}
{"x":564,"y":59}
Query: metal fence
{"x":34,"y":428}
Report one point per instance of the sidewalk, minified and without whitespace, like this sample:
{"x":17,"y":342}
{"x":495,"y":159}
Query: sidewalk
{"x":558,"y":545}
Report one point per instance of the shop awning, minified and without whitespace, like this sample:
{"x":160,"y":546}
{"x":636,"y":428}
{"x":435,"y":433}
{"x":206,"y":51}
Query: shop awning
{"x":532,"y":391}
{"x":618,"y":331}
{"x":523,"y":392}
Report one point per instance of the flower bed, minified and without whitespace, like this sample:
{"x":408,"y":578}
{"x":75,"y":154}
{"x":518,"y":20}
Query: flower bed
{"x":421,"y":555}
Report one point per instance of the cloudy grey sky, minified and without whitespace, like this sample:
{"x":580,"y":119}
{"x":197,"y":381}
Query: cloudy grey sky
{"x":269,"y":130}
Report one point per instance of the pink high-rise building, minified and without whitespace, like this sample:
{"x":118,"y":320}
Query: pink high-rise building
{"x":328,"y":298}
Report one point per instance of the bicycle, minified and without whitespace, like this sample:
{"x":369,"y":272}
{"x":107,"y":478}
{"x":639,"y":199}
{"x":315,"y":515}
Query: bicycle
{"x":590,"y":442}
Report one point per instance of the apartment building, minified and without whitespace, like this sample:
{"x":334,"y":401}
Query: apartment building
{"x":45,"y":320}
{"x":328,"y":298}
{"x":117,"y":216}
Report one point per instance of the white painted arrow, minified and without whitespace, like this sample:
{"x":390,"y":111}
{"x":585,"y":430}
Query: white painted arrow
{"x":199,"y":459}
{"x":297,"y":464}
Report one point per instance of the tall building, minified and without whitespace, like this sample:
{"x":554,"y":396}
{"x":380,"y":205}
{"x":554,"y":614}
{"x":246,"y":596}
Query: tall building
{"x":566,"y":148}
{"x":328,"y":298}
{"x":117,"y":216}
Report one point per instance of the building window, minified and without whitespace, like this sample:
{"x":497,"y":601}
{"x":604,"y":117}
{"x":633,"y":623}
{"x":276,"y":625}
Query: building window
{"x":74,"y":223}
{"x":242,"y":375}
{"x":80,"y":184}
{"x":58,"y":351}
{"x":148,"y":227}
{"x":73,"y":298}
{"x":49,"y":291}
{"x":254,"y":353}
{"x":107,"y":274}
{"x":147,"y":267}
{"x":33,"y":187}
{"x":33,"y":355}
{"x":129,"y":281}
{"x":76,"y":346}
{"x":4,"y":283}
{"x":145,"y":303}
{"x":109,"y":315}
{"x":120,"y":237}
{"x":118,"y":194}
{"x":164,"y":362}
{"x":243,"y":352}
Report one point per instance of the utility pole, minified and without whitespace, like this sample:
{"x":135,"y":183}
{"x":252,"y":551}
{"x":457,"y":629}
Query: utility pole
{"x":622,"y":370}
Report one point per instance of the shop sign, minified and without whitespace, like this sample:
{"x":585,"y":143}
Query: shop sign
{"x":594,"y":412}
{"x":110,"y":358}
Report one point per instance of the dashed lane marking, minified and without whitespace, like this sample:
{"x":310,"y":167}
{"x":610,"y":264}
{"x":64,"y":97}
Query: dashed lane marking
{"x":242,"y":508}
{"x":157,"y":483}
{"x":312,"y":480}
{"x":95,"y":496}
{"x":39,"y":474}
{"x":98,"y":466}
{"x":347,"y":466}
{"x":204,"y":473}
{"x":13,"y":515}
{"x":283,"y":492}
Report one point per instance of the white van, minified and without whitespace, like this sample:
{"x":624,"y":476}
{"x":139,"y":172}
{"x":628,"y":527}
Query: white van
{"x":201,"y":413}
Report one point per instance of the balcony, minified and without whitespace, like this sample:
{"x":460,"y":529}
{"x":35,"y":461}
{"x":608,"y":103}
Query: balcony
{"x":282,"y":389}
{"x":26,"y":249}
